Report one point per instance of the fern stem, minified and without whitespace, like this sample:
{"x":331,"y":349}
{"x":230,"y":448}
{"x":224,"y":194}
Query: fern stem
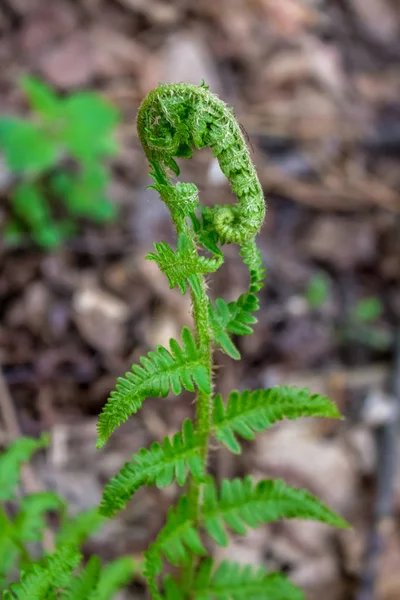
{"x":203,"y":407}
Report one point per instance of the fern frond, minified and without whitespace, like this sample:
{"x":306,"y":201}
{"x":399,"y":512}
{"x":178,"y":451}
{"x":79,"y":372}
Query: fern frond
{"x":114,"y":576}
{"x":242,"y":504}
{"x":234,"y":581}
{"x":29,"y":522}
{"x":160,"y":372}
{"x":159,"y":465}
{"x":176,"y":540}
{"x":43,"y":579}
{"x":74,"y":531}
{"x":83,"y":586}
{"x":179,"y":536}
{"x":179,"y":266}
{"x":247,"y":413}
{"x":237,"y":317}
{"x":19,"y":451}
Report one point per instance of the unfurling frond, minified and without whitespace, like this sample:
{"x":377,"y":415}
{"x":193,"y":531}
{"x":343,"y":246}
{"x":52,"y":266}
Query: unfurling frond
{"x":182,"y":265}
{"x":159,"y":465}
{"x":160,"y":372}
{"x":234,"y":581}
{"x":242,"y":504}
{"x":249,"y":412}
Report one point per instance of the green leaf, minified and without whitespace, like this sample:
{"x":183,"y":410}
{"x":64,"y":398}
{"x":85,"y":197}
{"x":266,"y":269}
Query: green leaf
{"x":114,"y":576}
{"x":249,"y":412}
{"x":11,"y":460}
{"x":177,"y":539}
{"x":182,"y":265}
{"x":74,"y":531}
{"x":84,"y":194}
{"x":234,"y":581}
{"x":13,"y":233}
{"x":27,"y":149}
{"x":88,"y":125}
{"x":159,"y":465}
{"x":29,"y":521}
{"x":242,"y":504}
{"x":31,"y":207}
{"x":83,"y":586}
{"x":237,"y":317}
{"x":160,"y":373}
{"x":368,"y":310}
{"x":40,"y":581}
{"x":318,"y":290}
{"x":41,"y":97}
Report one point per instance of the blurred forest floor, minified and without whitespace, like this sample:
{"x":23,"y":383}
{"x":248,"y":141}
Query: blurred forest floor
{"x":316,"y":86}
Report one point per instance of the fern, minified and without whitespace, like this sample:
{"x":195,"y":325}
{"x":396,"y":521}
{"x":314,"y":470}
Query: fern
{"x":233,"y":581}
{"x":75,"y":531}
{"x":114,"y":576}
{"x":83,"y":586}
{"x":19,"y":452}
{"x":249,"y":412}
{"x":183,"y":264}
{"x":42,"y":580}
{"x":173,"y":121}
{"x":237,"y":317}
{"x":242,"y":504}
{"x":244,"y":415}
{"x":160,"y":372}
{"x":159,"y":466}
{"x":30,"y":520}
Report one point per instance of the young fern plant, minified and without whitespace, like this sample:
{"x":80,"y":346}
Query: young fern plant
{"x":56,"y":572}
{"x":173,"y":120}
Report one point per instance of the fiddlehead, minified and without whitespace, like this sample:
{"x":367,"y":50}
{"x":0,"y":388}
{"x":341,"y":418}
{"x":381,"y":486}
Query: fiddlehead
{"x":177,"y":118}
{"x":173,"y":121}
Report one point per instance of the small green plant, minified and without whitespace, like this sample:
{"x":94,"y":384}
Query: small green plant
{"x":173,"y":121}
{"x":56,"y":160}
{"x":362,"y":325}
{"x":318,"y":290}
{"x":55,"y":575}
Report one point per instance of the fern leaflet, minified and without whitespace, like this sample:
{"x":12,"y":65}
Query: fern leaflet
{"x":157,"y":465}
{"x":18,"y":452}
{"x":237,"y":317}
{"x":183,"y":264}
{"x":114,"y":576}
{"x":234,"y":581}
{"x":243,"y":504}
{"x":160,"y":372}
{"x":75,"y":531}
{"x":44,"y":578}
{"x":83,"y":586}
{"x":249,"y":412}
{"x":29,"y":522}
